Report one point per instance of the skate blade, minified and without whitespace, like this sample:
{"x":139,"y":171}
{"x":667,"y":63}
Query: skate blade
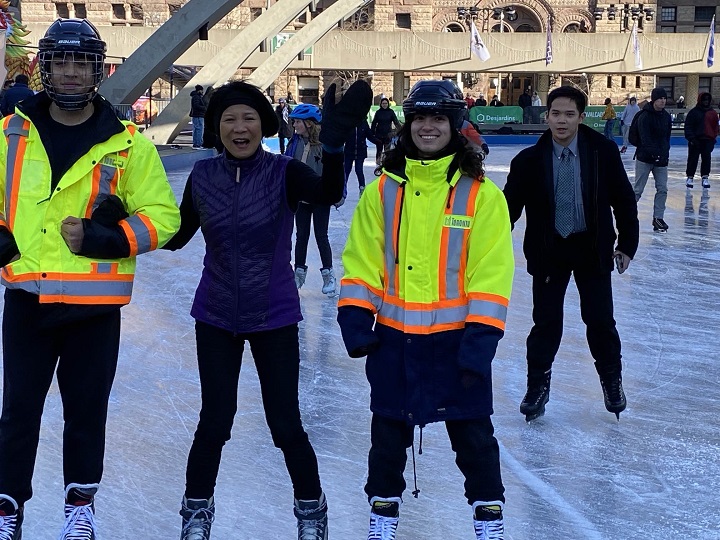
{"x":530,"y":417}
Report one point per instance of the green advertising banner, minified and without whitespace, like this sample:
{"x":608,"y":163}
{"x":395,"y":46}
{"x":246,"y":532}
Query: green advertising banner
{"x":593,"y":118}
{"x":514,"y":115}
{"x":496,"y":115}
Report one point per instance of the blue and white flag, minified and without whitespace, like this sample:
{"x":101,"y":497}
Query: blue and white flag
{"x":636,"y":47}
{"x":711,"y":47}
{"x":548,"y":45}
{"x":476,"y":44}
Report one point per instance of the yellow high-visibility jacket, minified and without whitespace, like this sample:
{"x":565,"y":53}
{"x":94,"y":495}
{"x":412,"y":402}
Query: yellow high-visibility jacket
{"x":126,"y":165}
{"x":454,"y":264}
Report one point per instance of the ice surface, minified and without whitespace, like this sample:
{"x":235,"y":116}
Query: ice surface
{"x":576,"y":473}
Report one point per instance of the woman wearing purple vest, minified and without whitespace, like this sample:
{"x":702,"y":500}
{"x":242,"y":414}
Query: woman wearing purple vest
{"x":244,"y":200}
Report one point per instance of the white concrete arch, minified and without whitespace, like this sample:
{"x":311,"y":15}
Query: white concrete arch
{"x":166,"y":44}
{"x":216,"y":72}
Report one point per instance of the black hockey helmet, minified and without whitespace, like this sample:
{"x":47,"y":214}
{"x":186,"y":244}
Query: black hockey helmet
{"x":436,"y":97}
{"x":72,"y":40}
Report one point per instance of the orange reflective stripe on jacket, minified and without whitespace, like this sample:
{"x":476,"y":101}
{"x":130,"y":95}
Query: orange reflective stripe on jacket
{"x":16,"y":130}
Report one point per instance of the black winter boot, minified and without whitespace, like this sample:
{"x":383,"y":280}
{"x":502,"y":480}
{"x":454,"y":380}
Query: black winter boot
{"x":537,"y":395}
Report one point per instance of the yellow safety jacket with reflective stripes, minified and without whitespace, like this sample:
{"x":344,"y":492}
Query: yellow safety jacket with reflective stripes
{"x":126,"y":165}
{"x":427,"y":255}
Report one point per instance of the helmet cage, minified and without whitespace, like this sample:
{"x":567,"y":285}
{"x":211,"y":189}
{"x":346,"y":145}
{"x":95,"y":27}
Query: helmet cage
{"x":76,"y":42}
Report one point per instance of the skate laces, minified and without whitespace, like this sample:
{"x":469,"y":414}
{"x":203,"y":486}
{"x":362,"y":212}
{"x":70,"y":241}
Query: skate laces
{"x":8,"y":524}
{"x":198,"y":523}
{"x":79,"y":522}
{"x":490,"y":530}
{"x":312,"y":529}
{"x":382,"y":527}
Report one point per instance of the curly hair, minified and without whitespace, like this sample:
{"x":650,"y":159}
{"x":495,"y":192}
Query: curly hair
{"x":467,"y":160}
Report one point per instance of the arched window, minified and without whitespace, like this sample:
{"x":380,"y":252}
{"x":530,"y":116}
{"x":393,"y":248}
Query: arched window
{"x":526,"y":28}
{"x":454,"y":27}
{"x":572,"y":28}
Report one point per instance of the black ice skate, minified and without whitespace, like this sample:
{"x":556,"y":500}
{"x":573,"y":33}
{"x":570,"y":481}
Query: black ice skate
{"x":197,"y":518}
{"x":11,"y":518}
{"x":613,"y":394}
{"x":536,"y":397}
{"x":659,"y":225}
{"x":79,"y":512}
{"x":312,"y":520}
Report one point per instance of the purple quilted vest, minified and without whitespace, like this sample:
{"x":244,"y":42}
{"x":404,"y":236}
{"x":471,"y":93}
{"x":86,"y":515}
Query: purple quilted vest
{"x":247,"y":283}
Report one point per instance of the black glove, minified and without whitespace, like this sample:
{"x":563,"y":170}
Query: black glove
{"x":485,"y":148}
{"x":339,"y":119}
{"x":109,"y":212}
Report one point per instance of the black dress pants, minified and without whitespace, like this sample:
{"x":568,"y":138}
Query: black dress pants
{"x":85,"y":353}
{"x":477,"y":455}
{"x":277,"y":359}
{"x":596,"y":310}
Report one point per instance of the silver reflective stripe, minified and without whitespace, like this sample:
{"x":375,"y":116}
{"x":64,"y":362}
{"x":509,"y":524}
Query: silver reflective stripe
{"x":31,"y":286}
{"x":14,"y":131}
{"x":142,"y":234}
{"x":85,"y":288}
{"x":424,"y":318}
{"x":105,"y":268}
{"x":107,"y":173}
{"x":455,"y":239}
{"x":485,"y":308}
{"x":390,"y":195}
{"x":358,"y":292}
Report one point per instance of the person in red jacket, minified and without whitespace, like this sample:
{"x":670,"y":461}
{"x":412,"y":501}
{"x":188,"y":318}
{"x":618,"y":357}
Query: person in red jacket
{"x":701,"y":132}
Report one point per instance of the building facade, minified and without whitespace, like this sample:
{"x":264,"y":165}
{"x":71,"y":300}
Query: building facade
{"x":568,"y":16}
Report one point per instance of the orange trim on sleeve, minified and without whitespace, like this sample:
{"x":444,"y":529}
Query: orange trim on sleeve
{"x":489,"y":297}
{"x":151,"y":230}
{"x":356,"y":281}
{"x":490,"y":321}
{"x":356,"y":302}
{"x":130,"y":235}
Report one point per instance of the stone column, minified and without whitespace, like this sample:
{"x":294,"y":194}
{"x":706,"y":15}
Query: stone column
{"x":543,"y":87}
{"x":692,"y":89}
{"x":398,"y":92}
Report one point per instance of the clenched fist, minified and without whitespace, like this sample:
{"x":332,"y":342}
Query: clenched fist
{"x":72,"y":232}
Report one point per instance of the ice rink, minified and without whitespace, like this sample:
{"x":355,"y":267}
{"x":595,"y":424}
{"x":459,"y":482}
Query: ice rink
{"x":576,"y":473}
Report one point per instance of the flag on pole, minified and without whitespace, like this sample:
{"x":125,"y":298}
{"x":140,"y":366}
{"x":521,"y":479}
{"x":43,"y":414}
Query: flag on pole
{"x":476,"y":44}
{"x":636,"y":47}
{"x":711,"y":47}
{"x":548,"y":45}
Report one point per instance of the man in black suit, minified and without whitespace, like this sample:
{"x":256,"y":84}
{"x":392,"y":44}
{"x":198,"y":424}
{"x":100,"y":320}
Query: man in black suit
{"x":570,"y":183}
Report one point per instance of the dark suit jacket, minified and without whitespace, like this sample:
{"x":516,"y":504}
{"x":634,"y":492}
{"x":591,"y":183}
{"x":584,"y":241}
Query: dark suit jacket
{"x":606,"y":191}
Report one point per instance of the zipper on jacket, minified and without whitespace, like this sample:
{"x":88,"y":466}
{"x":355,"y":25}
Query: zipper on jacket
{"x":236,"y":299}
